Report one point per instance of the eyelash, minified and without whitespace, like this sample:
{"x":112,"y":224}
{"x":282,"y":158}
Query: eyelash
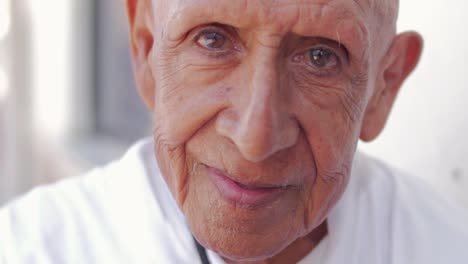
{"x":220,"y":54}
{"x":303,"y":57}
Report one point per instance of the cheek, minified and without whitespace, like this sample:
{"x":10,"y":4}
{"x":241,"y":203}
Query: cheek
{"x":183,"y":104}
{"x":331,"y":117}
{"x":331,"y":124}
{"x":171,"y":161}
{"x":186,"y":97}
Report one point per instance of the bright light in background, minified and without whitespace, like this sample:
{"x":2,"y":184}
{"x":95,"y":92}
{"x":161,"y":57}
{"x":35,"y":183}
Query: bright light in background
{"x":3,"y":85}
{"x":5,"y":17}
{"x":52,"y":69}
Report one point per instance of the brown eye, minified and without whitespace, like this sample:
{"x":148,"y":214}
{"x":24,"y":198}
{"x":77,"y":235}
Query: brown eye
{"x":323,"y":58}
{"x":211,"y":40}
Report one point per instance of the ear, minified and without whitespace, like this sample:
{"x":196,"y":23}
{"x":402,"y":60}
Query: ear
{"x":398,"y":63}
{"x":140,"y":20}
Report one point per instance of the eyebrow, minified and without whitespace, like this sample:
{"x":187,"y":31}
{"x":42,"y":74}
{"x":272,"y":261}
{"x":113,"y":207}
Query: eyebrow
{"x":350,"y":30}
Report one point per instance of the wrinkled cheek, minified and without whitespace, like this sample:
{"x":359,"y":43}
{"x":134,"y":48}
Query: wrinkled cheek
{"x":333,"y":152}
{"x":171,"y":159}
{"x":325,"y":193}
{"x":184,"y":102}
{"x":175,"y":123}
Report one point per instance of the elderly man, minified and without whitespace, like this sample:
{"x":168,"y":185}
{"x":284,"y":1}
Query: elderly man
{"x":258,"y":107}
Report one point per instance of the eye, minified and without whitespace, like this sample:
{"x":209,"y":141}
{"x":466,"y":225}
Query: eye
{"x":211,"y":40}
{"x":323,"y":58}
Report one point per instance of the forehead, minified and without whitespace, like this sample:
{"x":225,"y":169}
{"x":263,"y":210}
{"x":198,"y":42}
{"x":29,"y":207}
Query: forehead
{"x":276,"y":13}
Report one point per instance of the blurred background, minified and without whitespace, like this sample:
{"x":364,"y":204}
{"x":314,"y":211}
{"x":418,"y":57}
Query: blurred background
{"x":68,"y":101}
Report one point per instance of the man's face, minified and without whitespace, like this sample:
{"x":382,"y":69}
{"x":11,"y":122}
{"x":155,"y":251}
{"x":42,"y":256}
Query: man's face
{"x":258,"y":108}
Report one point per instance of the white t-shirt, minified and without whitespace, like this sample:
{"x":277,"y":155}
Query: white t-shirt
{"x":124,"y":213}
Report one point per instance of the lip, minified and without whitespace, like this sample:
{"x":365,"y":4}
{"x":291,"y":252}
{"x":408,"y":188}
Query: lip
{"x":249,"y":196}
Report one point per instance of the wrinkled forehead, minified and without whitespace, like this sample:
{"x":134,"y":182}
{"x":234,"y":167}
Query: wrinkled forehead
{"x":271,"y":9}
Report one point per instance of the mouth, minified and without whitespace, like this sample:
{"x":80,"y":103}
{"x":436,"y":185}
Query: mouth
{"x":245,"y":195}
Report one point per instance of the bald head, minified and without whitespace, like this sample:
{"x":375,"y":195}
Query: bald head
{"x":386,"y":10}
{"x":385,"y":15}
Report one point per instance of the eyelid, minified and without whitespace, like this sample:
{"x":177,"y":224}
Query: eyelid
{"x":205,"y":30}
{"x":339,"y":51}
{"x":229,"y":52}
{"x":302,"y":57}
{"x":213,"y":27}
{"x":307,"y":43}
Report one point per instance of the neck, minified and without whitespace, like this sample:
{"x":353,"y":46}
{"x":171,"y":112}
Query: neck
{"x":296,"y":251}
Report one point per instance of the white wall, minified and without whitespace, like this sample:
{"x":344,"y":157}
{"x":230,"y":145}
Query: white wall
{"x":48,"y":71}
{"x":15,"y":64}
{"x":426,"y":134}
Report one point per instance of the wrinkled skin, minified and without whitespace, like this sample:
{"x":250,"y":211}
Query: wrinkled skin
{"x":256,"y":105}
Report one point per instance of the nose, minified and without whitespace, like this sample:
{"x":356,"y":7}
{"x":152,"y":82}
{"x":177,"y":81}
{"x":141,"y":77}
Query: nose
{"x":258,"y":121}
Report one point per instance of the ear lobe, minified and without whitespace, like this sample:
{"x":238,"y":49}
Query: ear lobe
{"x":399,"y":62}
{"x":140,"y":19}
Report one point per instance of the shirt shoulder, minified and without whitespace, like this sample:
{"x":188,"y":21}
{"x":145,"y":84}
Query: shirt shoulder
{"x":108,"y":215}
{"x":44,"y":217}
{"x":425,"y":227}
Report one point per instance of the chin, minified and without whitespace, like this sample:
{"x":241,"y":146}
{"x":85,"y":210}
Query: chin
{"x":245,"y":248}
{"x":241,"y":234}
